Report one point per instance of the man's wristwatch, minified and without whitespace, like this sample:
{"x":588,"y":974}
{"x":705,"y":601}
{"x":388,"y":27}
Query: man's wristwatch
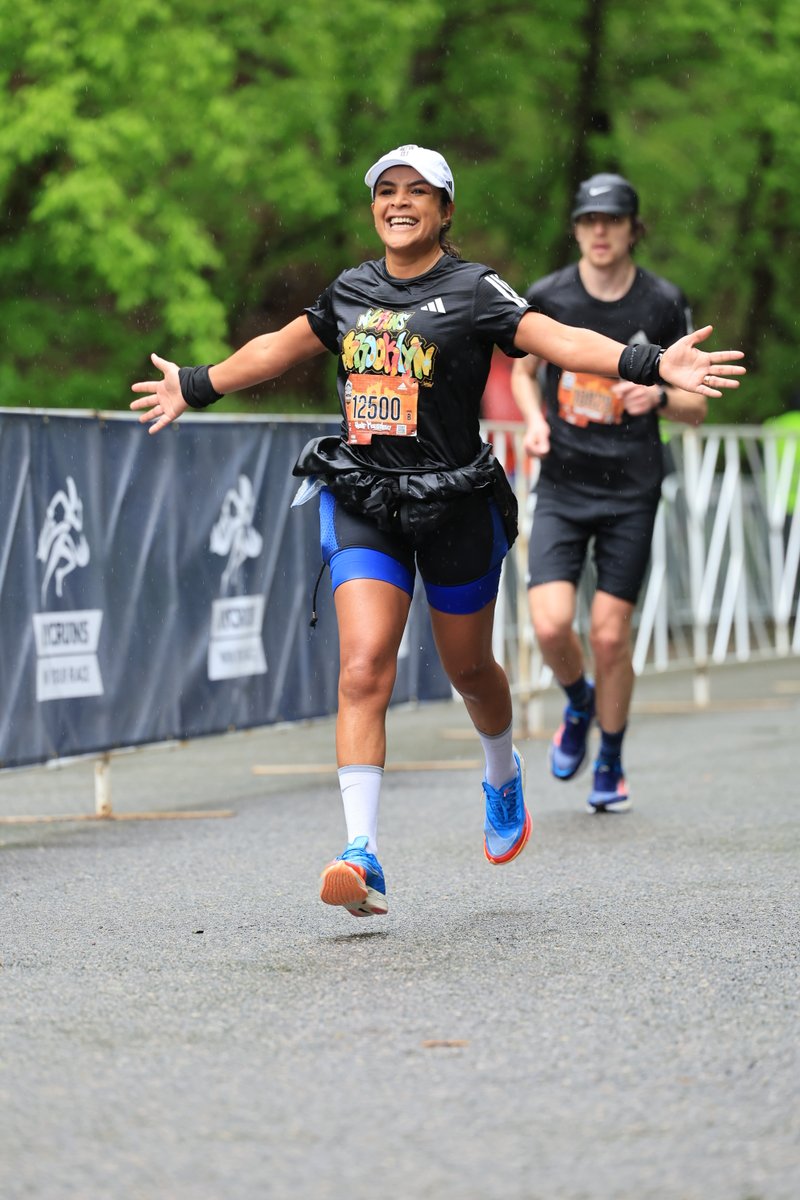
{"x":663,"y":399}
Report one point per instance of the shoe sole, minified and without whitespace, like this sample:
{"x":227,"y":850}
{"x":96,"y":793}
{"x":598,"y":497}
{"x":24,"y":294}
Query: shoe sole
{"x":610,"y":806}
{"x":515,"y":850}
{"x":344,"y":886}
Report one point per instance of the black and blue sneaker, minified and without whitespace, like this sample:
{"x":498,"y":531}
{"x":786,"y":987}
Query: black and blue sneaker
{"x":609,"y":790}
{"x":355,"y":881}
{"x":508,"y":823}
{"x":568,"y":747}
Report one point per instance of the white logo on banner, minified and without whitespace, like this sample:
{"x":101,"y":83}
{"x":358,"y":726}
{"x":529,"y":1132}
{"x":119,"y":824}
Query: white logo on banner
{"x":66,"y":642}
{"x":235,"y":647}
{"x":58,"y":546}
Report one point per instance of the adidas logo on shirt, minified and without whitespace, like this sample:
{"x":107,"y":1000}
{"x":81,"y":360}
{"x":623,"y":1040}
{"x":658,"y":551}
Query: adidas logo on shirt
{"x":433,"y":306}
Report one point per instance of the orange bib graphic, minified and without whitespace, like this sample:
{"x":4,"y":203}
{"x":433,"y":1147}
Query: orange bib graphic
{"x":380,"y":404}
{"x":585,"y":398}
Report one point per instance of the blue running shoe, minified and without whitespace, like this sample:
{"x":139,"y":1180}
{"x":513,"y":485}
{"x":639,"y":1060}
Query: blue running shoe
{"x":568,"y":747}
{"x":355,"y":881}
{"x":610,"y":791}
{"x":508,"y":823}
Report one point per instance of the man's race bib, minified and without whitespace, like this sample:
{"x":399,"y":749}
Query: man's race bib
{"x":380,"y":404}
{"x":585,"y":398}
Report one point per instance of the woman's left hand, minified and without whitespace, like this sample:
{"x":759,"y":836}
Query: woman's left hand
{"x":684,"y":366}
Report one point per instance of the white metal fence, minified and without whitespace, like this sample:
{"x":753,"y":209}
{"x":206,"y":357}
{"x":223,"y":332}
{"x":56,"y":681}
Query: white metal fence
{"x":723,"y":578}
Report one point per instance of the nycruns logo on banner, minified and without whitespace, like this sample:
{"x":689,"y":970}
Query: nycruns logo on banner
{"x":66,"y":642}
{"x":235,"y":647}
{"x":66,"y":654}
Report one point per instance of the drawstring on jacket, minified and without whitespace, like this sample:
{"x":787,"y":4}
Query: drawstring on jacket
{"x":313,"y":622}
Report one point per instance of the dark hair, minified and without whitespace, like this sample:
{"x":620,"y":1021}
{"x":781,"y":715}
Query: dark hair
{"x":444,"y":241}
{"x":639,"y":231}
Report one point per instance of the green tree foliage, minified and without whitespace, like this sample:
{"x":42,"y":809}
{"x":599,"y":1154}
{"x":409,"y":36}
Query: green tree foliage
{"x":178,"y":176}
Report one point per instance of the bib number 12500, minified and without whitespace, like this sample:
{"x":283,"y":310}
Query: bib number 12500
{"x":374,"y":404}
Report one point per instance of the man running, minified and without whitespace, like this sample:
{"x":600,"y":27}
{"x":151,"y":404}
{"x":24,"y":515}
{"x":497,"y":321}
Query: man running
{"x":601,"y":455}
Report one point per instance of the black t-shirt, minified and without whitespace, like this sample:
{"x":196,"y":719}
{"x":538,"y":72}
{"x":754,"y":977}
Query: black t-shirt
{"x":433,"y":335}
{"x":595,"y":448}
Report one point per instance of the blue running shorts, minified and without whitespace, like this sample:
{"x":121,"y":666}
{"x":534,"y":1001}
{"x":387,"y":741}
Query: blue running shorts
{"x":459,"y":563}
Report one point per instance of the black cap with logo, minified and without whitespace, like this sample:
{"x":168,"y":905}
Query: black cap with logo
{"x":605,"y":194}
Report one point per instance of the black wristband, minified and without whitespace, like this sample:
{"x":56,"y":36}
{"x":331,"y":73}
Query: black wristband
{"x":196,"y":387}
{"x":639,"y":364}
{"x":663,"y":399}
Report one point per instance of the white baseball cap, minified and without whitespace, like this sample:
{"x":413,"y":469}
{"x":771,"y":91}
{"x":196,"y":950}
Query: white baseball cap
{"x":429,"y":163}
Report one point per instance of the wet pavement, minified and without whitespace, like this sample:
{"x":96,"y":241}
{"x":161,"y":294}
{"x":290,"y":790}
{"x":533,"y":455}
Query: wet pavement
{"x":613,"y":1015}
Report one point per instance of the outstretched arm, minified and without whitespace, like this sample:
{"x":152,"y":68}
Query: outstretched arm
{"x":682,"y":364}
{"x":265,"y":357}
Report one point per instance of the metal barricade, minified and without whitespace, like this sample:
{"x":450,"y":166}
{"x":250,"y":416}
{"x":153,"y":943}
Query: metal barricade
{"x":722,"y":584}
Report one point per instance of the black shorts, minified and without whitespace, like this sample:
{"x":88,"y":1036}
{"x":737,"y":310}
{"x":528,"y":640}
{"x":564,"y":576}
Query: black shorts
{"x":459,"y":563}
{"x":560,"y":539}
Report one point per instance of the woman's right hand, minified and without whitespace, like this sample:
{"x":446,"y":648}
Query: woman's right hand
{"x":163,"y":402}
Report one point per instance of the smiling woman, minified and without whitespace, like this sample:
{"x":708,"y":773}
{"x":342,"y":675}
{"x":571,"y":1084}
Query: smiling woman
{"x":412,"y":215}
{"x":408,"y":485}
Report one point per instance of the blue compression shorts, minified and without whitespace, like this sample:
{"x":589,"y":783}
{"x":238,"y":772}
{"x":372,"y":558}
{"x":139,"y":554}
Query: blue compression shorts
{"x":459,"y":563}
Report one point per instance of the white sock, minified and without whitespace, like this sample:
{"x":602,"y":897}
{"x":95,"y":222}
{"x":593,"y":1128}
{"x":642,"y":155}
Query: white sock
{"x":501,"y":766}
{"x":361,"y":797}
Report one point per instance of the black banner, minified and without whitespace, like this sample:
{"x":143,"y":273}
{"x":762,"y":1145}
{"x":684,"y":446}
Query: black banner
{"x":154,"y":588}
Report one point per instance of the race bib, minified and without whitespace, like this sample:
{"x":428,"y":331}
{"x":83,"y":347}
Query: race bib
{"x":585,"y":398}
{"x":380,"y":404}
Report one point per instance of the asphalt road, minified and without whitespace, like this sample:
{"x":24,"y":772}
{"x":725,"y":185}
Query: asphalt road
{"x":614,"y":1015}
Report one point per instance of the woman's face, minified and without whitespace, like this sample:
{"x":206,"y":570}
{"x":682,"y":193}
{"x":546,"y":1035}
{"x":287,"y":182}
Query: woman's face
{"x":408,"y":211}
